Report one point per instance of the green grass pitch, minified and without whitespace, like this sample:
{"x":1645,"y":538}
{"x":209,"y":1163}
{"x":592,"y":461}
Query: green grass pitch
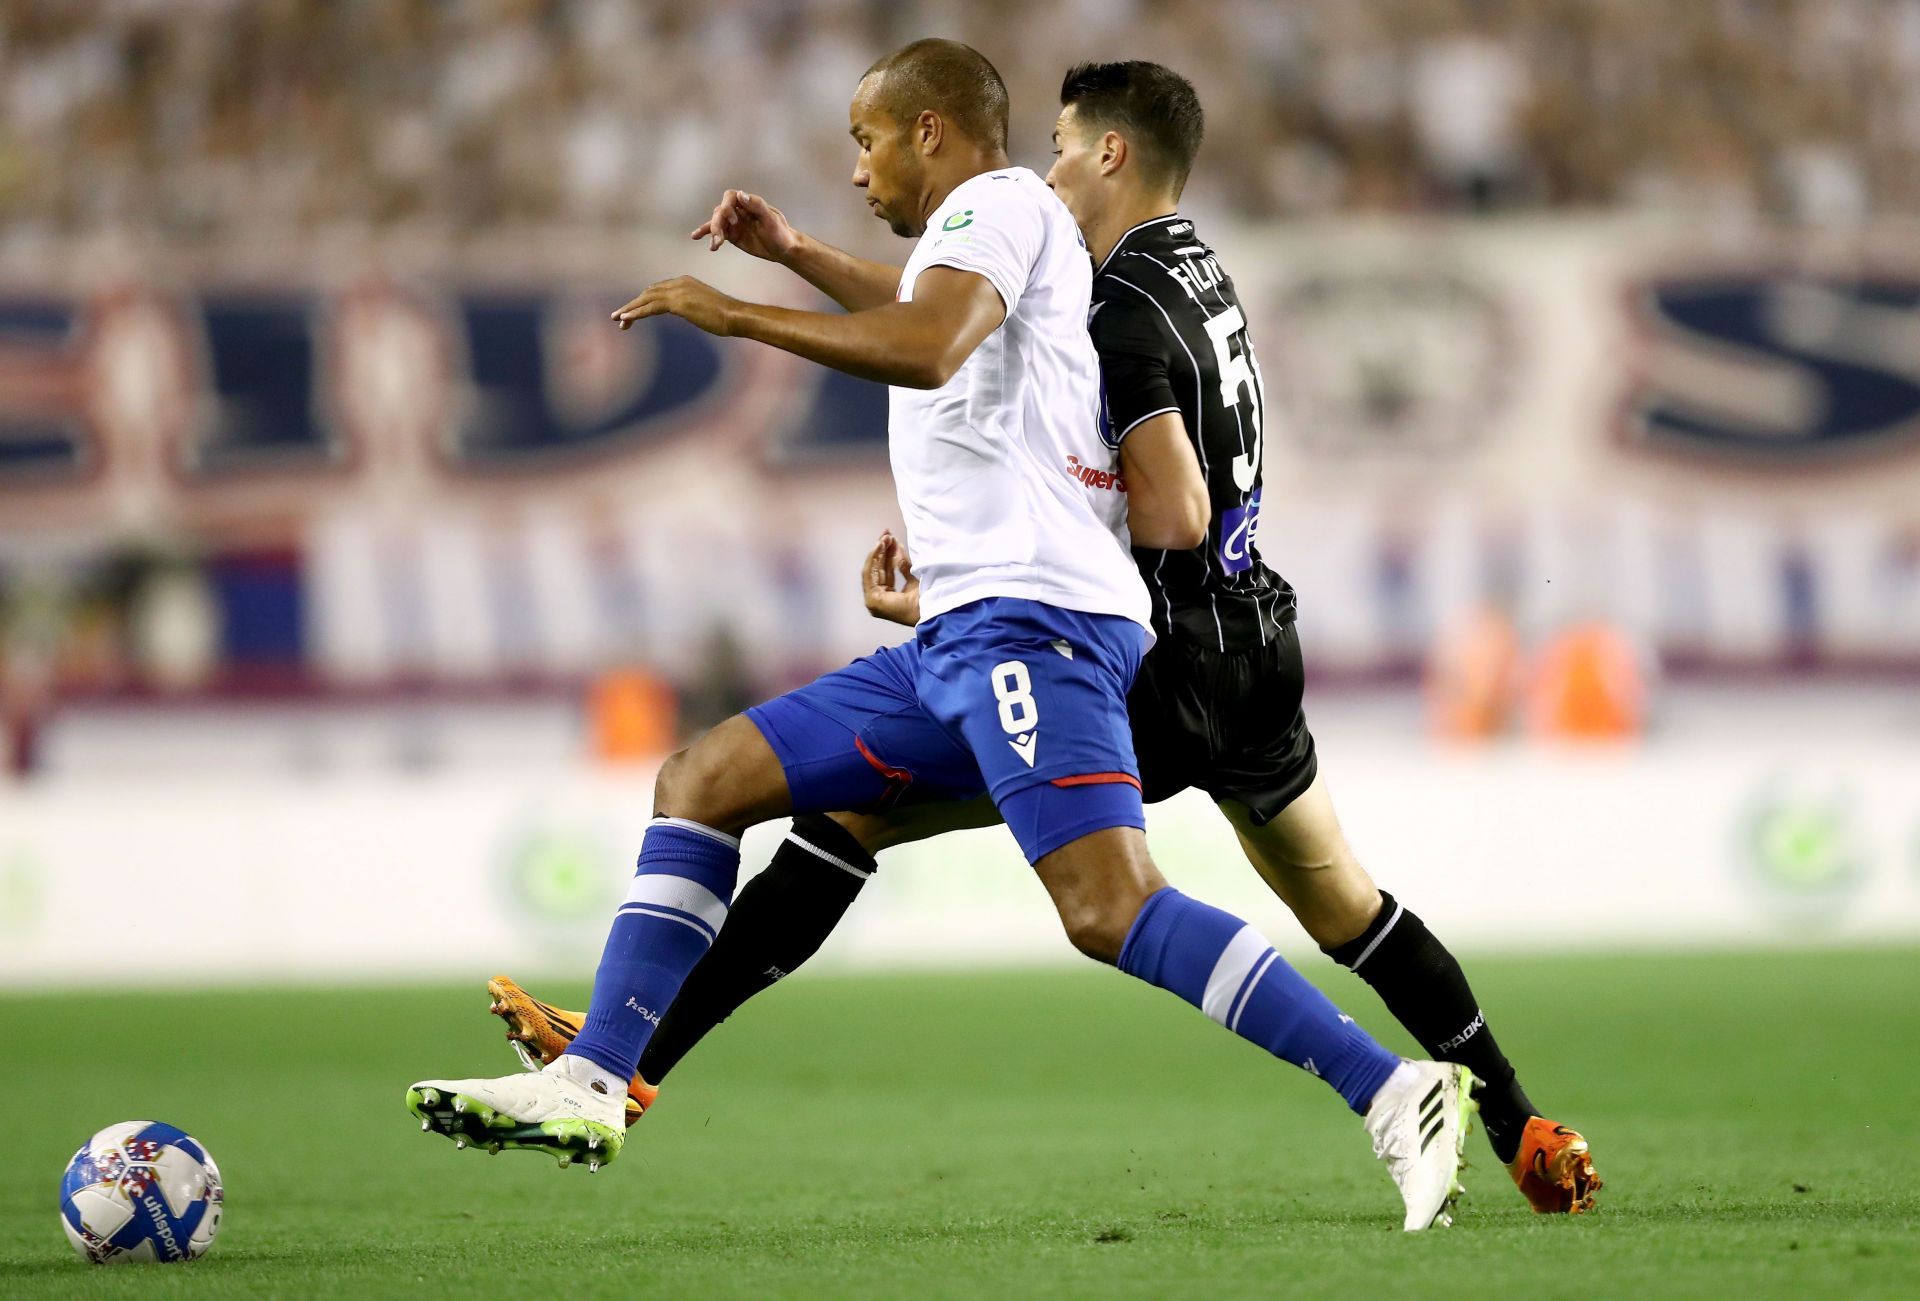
{"x":1041,"y":1133}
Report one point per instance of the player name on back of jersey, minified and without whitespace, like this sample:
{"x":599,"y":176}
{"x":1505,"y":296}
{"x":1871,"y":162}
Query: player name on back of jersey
{"x":1172,"y":337}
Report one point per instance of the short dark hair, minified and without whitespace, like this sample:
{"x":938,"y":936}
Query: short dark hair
{"x":953,"y":80}
{"x":1150,"y":104}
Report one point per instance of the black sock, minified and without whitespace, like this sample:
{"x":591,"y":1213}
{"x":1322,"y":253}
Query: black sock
{"x":778,"y":920}
{"x":1426,"y":991}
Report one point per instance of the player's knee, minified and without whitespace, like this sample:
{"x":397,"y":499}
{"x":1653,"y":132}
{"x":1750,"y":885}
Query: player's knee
{"x":872,"y":832}
{"x":1096,"y":930}
{"x":1098,"y":921}
{"x":692,"y":785}
{"x":671,"y":789}
{"x":1341,"y":918}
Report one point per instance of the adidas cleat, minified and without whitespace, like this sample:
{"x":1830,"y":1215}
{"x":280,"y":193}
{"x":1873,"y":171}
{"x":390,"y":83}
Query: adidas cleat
{"x":549,"y":1112}
{"x":1419,"y":1122}
{"x":540,"y":1032}
{"x":1554,"y":1170}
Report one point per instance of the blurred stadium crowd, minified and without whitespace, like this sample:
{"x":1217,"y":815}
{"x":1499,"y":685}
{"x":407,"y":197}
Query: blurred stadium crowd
{"x":206,"y":119}
{"x":298,"y":395}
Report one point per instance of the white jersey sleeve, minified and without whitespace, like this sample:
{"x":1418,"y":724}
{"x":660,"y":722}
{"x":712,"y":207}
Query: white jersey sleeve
{"x":998,"y":235}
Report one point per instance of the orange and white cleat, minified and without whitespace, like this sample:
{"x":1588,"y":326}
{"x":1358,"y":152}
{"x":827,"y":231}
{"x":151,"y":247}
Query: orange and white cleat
{"x":540,"y":1032}
{"x":1553,"y":1169}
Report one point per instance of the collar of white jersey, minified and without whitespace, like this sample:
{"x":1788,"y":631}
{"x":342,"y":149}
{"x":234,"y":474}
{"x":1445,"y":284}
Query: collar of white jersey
{"x":1120,"y":243}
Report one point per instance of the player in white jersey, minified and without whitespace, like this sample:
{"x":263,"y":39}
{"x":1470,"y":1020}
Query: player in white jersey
{"x":982,"y":462}
{"x":1015,"y":683}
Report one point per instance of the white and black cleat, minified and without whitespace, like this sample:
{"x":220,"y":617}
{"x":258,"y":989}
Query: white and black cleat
{"x":1419,"y":1123}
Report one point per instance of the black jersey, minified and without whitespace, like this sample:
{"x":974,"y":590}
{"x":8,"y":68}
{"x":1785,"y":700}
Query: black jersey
{"x":1171,"y":337}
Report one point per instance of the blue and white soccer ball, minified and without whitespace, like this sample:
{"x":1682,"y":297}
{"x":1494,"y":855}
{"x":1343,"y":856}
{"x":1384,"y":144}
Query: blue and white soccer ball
{"x":140,"y":1190}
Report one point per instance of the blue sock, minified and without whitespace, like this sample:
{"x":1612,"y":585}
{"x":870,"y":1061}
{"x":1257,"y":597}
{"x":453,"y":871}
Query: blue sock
{"x":1227,"y":969}
{"x":674,"y":908}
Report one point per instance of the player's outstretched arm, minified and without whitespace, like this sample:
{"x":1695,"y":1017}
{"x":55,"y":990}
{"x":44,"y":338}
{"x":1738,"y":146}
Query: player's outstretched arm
{"x":756,"y":227}
{"x":919,"y":344}
{"x":1167,"y":506}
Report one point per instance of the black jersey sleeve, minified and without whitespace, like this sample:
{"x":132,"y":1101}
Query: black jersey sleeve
{"x":1131,"y":337}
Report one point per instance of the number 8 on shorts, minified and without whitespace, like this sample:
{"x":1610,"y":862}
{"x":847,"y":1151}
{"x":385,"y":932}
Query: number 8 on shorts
{"x":1014,"y":690}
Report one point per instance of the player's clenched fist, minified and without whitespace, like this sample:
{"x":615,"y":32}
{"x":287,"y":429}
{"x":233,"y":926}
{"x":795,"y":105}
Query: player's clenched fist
{"x":750,"y":224}
{"x":683,"y":296}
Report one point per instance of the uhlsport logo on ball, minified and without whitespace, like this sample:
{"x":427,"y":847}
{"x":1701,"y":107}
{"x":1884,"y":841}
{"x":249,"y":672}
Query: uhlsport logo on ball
{"x":141,"y":1190}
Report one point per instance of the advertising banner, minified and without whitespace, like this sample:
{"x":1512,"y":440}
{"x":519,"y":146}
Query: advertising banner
{"x":445,"y":470}
{"x":458,"y":877}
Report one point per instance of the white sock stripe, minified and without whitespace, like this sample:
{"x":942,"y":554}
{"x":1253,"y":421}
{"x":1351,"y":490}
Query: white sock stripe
{"x":1246,"y":993}
{"x":668,"y":915}
{"x":1367,"y":952}
{"x":1230,"y":972}
{"x":825,"y":857}
{"x":698,"y":829}
{"x":682,"y":894}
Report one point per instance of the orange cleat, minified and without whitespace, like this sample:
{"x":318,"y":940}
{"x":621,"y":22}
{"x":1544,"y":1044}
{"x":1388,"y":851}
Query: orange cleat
{"x":1553,"y":1169}
{"x":540,"y":1032}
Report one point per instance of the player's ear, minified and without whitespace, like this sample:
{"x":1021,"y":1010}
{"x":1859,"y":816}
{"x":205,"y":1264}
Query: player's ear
{"x":929,"y":130}
{"x":1113,"y":152}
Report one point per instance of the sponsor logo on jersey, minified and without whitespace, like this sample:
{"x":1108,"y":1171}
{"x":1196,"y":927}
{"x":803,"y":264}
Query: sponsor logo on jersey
{"x":1236,"y":535}
{"x":1101,"y":479}
{"x":1024,"y":746}
{"x":958,"y":220}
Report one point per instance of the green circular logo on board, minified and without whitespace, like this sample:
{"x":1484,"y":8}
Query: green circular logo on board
{"x":1801,"y":849}
{"x":558,"y":877}
{"x":958,"y":219}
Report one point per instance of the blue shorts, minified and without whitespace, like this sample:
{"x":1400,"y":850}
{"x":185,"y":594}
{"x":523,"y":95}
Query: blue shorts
{"x":1021,"y":700}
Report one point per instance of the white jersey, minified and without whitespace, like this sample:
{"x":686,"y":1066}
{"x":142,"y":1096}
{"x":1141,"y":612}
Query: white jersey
{"x":1005,"y":483}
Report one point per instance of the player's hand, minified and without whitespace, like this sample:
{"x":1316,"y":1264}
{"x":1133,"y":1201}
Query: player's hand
{"x":887,"y":559}
{"x":689,"y":299}
{"x":750,"y":224}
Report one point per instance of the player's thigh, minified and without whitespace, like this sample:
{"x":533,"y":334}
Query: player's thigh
{"x":1303,"y":855}
{"x":1038,"y":696}
{"x":914,"y":822}
{"x":1260,"y":751}
{"x":857,"y":739}
{"x":1166,"y":712}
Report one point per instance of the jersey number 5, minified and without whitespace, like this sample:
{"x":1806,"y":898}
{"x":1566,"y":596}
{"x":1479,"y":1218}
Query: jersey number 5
{"x":1236,"y":373}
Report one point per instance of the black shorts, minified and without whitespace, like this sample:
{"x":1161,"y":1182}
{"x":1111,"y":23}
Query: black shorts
{"x":1228,"y":722}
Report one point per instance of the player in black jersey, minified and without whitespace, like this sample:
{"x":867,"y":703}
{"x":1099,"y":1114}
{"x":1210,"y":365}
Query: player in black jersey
{"x":1217,"y":703}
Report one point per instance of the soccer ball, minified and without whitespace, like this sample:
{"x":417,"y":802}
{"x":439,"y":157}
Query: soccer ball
{"x":140,"y":1190}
